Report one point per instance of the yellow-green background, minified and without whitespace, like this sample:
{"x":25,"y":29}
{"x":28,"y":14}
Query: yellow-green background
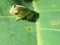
{"x":17,"y":33}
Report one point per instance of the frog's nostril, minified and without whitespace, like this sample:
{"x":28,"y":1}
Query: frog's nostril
{"x":14,"y":5}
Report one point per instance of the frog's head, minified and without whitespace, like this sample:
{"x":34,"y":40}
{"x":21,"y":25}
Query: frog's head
{"x":15,"y":9}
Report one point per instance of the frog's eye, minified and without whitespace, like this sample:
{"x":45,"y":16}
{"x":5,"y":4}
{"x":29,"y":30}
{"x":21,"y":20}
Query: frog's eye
{"x":16,"y":12}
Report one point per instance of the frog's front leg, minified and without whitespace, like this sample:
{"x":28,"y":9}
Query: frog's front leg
{"x":17,"y":18}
